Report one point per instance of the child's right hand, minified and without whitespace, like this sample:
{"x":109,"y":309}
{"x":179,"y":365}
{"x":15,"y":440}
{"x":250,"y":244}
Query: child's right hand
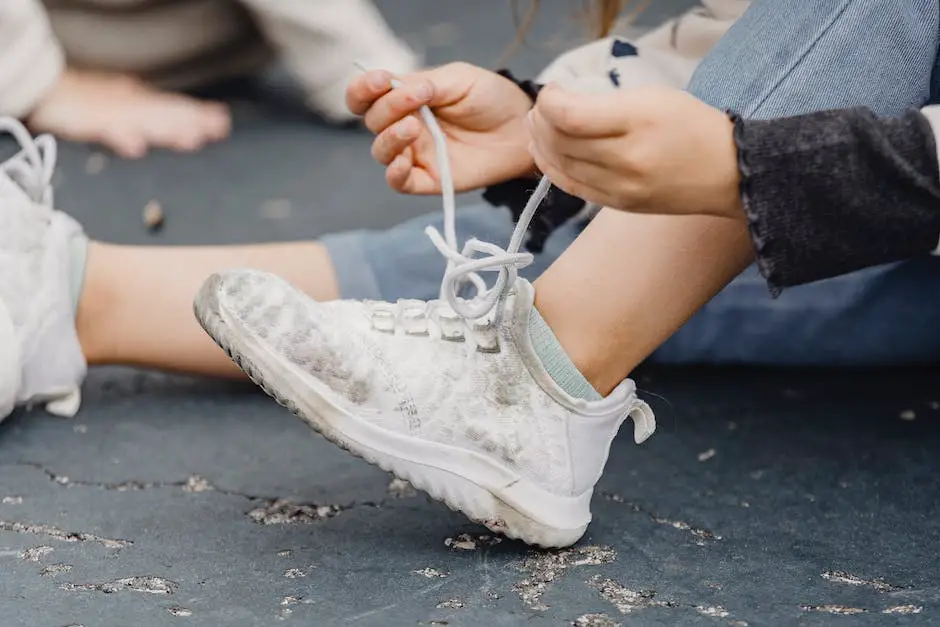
{"x":127,"y":115}
{"x":482,"y":114}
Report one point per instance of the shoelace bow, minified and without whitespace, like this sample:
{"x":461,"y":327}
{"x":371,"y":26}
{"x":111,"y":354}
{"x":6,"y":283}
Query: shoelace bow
{"x":464,"y":266}
{"x":33,"y":166}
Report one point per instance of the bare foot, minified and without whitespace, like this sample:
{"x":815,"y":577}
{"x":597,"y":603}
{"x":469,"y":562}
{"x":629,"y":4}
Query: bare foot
{"x":127,"y":115}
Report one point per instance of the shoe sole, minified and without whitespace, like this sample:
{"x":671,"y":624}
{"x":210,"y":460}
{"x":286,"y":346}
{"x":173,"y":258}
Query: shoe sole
{"x":512,"y":506}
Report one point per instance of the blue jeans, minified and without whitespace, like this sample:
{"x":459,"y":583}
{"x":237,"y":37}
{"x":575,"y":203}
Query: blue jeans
{"x":784,"y":57}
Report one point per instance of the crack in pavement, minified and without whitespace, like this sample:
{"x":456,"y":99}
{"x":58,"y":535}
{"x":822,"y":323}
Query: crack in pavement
{"x":62,"y":535}
{"x":879,"y":584}
{"x":273,"y":511}
{"x":150,"y":585}
{"x":700,"y":533}
{"x":628,"y":601}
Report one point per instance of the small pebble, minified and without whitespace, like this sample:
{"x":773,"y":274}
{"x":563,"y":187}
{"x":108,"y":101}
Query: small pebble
{"x":908,"y":415}
{"x":276,"y":209}
{"x":430,"y":573}
{"x":179,"y":611}
{"x":96,"y":163}
{"x":153,"y":216}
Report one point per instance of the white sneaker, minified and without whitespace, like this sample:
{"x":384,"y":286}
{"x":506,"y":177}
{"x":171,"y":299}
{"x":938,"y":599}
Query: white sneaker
{"x":446,"y":394}
{"x":40,"y":356}
{"x":462,"y":409}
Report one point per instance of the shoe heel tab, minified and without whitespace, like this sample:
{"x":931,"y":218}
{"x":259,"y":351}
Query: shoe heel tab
{"x":644,"y":421}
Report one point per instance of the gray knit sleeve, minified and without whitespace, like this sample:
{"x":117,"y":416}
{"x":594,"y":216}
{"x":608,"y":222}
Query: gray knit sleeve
{"x":831,"y":192}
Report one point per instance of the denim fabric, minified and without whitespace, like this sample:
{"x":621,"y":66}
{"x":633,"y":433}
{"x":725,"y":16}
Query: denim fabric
{"x":783,"y":57}
{"x":786,"y":57}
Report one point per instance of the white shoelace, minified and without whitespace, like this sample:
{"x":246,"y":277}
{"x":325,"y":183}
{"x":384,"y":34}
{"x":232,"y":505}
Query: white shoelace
{"x":464,"y":266}
{"x":33,"y":166}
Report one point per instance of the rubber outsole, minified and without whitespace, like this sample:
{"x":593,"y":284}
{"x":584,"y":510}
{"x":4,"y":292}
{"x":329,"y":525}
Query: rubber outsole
{"x":457,"y":492}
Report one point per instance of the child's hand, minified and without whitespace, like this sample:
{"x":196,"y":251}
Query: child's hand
{"x":481,"y":113}
{"x":647,"y":150}
{"x":127,"y":115}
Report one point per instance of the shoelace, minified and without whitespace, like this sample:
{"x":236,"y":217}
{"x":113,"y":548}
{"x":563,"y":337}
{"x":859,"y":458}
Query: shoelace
{"x":31,"y":168}
{"x":464,"y":266}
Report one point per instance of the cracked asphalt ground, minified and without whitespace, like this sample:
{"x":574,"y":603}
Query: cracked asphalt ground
{"x":765,"y":498}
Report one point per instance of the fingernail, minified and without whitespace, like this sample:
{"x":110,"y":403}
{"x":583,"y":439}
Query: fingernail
{"x":378,"y":80}
{"x":424,"y":92}
{"x":404,"y":129}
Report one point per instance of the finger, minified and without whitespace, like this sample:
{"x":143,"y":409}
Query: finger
{"x":394,"y":140}
{"x":398,"y":103}
{"x":404,"y":177}
{"x":365,"y":89}
{"x":563,"y":178}
{"x":583,"y":114}
{"x":397,"y":172}
{"x":599,"y":151}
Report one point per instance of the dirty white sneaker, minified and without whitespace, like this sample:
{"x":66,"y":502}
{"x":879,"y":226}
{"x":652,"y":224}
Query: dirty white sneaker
{"x":461,"y":408}
{"x":41,"y":360}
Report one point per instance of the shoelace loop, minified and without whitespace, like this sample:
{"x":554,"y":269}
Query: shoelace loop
{"x":464,"y":266}
{"x":33,"y":166}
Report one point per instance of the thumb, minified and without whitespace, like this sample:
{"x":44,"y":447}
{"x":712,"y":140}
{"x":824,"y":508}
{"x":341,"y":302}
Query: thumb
{"x":588,"y":115}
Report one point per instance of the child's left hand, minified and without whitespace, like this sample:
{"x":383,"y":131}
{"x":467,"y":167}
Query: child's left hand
{"x":646,"y":150}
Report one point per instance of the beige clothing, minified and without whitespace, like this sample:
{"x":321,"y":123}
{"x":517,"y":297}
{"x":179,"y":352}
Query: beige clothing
{"x":667,"y":55}
{"x":184,"y":43}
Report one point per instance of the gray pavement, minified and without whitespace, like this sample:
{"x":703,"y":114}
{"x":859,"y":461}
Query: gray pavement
{"x":766,"y":497}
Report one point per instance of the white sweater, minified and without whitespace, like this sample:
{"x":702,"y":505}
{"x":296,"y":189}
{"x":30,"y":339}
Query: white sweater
{"x":183,"y":43}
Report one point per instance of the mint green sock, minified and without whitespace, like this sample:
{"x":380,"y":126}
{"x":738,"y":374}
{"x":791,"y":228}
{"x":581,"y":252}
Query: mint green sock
{"x":556,"y":362}
{"x":78,"y":251}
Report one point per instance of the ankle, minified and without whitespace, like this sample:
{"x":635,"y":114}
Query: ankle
{"x":598,"y":357}
{"x":94,"y":303}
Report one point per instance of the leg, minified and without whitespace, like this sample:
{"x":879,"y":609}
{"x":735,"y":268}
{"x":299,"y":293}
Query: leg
{"x":136,"y":303}
{"x":880,"y":316}
{"x":785,"y":57}
{"x":635,"y":280}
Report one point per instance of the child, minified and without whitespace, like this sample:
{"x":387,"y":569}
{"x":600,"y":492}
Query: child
{"x":504,"y":404}
{"x":109,"y":72}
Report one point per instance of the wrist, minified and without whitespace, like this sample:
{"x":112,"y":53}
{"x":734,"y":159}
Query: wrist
{"x":734,"y":169}
{"x":529,"y":88}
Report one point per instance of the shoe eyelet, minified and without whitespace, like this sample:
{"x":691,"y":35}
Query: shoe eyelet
{"x":383,"y":319}
{"x":486,"y":337}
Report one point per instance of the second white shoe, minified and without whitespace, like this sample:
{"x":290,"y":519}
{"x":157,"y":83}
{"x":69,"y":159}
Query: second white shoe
{"x":41,"y":359}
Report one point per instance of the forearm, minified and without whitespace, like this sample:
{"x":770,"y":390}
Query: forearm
{"x":832,"y":192}
{"x":30,"y":58}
